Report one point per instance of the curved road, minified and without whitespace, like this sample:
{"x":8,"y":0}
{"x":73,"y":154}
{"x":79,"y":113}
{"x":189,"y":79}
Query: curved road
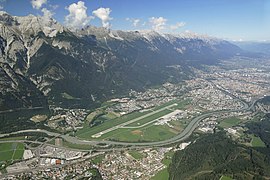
{"x":180,"y":137}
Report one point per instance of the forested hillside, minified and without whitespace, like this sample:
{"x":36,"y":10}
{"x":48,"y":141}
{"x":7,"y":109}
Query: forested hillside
{"x":214,"y":156}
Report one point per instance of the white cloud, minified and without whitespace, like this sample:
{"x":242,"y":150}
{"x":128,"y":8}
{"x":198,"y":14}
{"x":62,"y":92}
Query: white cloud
{"x":1,"y":5}
{"x":135,"y":22}
{"x":177,"y":26}
{"x":104,"y":15}
{"x":77,"y":16}
{"x":47,"y":14}
{"x":38,"y":3}
{"x":54,"y":7}
{"x":144,"y":23}
{"x":158,"y":23}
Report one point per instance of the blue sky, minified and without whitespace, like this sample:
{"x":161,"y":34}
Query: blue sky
{"x":230,"y":19}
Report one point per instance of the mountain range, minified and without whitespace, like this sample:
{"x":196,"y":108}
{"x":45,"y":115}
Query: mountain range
{"x":43,"y":62}
{"x":256,"y":47}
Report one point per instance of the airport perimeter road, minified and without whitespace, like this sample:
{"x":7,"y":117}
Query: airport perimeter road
{"x":132,"y":121}
{"x":31,"y":130}
{"x":180,"y":137}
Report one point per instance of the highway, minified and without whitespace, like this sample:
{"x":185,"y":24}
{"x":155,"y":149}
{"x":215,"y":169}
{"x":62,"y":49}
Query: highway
{"x":131,"y":121}
{"x":180,"y":137}
{"x":101,"y":144}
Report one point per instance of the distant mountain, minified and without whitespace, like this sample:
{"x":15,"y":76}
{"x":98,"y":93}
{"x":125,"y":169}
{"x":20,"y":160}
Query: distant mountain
{"x":258,"y":47}
{"x":178,"y":48}
{"x":41,"y":60}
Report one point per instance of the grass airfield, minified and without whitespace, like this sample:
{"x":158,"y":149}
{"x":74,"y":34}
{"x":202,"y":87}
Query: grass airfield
{"x":137,"y":126}
{"x":11,"y":151}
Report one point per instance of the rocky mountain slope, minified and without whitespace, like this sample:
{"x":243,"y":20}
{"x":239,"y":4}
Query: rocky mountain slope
{"x":40,"y":60}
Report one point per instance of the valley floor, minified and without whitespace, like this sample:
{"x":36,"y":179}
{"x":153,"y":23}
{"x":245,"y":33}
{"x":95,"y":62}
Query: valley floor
{"x":145,"y":132}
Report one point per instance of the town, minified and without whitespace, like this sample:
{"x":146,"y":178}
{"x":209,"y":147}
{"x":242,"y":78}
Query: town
{"x":225,"y":93}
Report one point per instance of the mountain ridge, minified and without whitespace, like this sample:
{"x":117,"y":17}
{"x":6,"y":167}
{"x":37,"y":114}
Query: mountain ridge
{"x":97,"y":62}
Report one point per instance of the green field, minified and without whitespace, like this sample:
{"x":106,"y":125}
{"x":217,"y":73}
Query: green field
{"x":68,"y":96}
{"x":182,"y":104}
{"x":225,"y":178}
{"x":180,"y":125}
{"x":98,"y":159}
{"x":257,"y":142}
{"x":150,"y":118}
{"x":12,"y":138}
{"x":164,"y":174}
{"x":146,"y":134}
{"x":98,"y":114}
{"x":11,"y":151}
{"x":136,"y":154}
{"x":229,"y":122}
{"x":88,"y":131}
{"x":135,"y":131}
{"x":112,"y":115}
{"x":76,"y":146}
{"x":92,"y":115}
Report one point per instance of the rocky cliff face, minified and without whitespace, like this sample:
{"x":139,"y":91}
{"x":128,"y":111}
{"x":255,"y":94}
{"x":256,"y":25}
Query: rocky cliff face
{"x":40,"y":60}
